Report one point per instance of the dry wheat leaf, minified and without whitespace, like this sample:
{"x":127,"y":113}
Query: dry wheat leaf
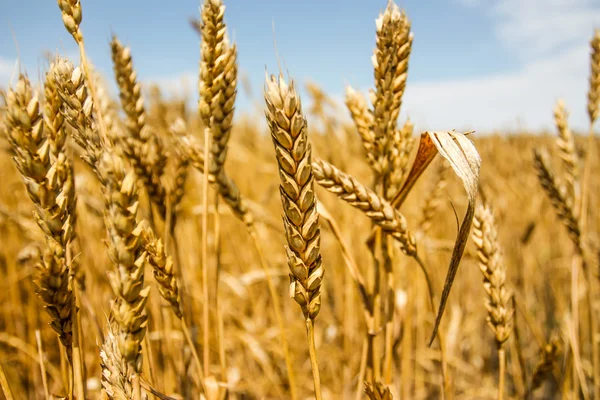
{"x":464,"y":160}
{"x":425,"y":155}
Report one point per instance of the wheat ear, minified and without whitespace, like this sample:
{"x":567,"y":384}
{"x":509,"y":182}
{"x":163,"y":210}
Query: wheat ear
{"x":143,"y":148}
{"x":390,"y":61}
{"x":498,"y":303}
{"x":40,"y":158}
{"x":162,"y":266}
{"x":557,"y":194}
{"x":359,"y":196}
{"x":594,"y":90}
{"x":363,"y":120}
{"x":300,"y":218}
{"x":567,"y":151}
{"x":126,"y":251}
{"x":225,"y":185}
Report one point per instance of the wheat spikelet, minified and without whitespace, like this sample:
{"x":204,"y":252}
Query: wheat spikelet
{"x":143,"y":148}
{"x":363,"y":120}
{"x":162,"y":266}
{"x":48,"y":176}
{"x":558,"y":196}
{"x":300,"y":218}
{"x":567,"y":150}
{"x":125,"y":249}
{"x":594,"y":90}
{"x":359,"y":196}
{"x":390,"y":61}
{"x":498,"y":304}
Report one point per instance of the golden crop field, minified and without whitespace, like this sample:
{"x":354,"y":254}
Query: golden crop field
{"x":153,"y":250}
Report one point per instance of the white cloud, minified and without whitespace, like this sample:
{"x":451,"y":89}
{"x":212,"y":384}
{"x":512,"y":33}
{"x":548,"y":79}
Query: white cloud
{"x":536,"y":27}
{"x":523,"y":99}
{"x":550,"y":39}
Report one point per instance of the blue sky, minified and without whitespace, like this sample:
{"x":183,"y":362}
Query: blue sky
{"x":476,"y":64}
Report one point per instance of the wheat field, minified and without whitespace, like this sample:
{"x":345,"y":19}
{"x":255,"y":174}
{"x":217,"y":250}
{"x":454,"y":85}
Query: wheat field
{"x":153,"y":249}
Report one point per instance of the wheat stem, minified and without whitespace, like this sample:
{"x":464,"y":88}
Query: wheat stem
{"x":310,"y":332}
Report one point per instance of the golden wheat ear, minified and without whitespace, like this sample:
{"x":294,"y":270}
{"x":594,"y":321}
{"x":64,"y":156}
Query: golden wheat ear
{"x":39,"y":150}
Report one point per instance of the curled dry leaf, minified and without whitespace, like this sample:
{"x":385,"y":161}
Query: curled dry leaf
{"x":464,"y":160}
